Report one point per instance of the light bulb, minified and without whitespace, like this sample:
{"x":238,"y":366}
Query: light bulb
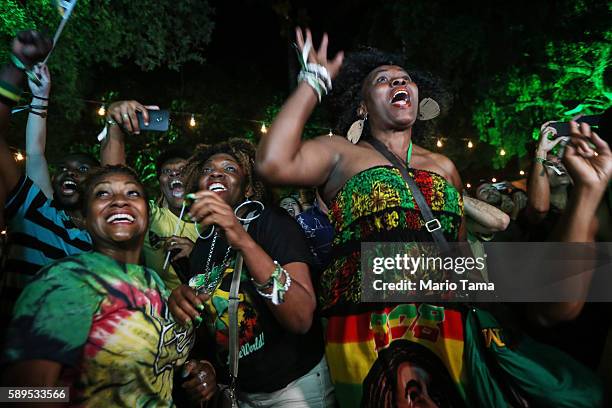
{"x":264,"y":129}
{"x":470,"y":144}
{"x":19,"y":156}
{"x":102,"y":110}
{"x":192,"y":121}
{"x":494,"y":180}
{"x":439,"y":143}
{"x":502,"y":152}
{"x":522,"y":173}
{"x":468,"y":185}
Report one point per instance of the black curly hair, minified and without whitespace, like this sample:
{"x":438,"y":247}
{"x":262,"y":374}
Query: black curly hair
{"x":244,"y":153}
{"x":347,"y":94}
{"x":99,"y":173}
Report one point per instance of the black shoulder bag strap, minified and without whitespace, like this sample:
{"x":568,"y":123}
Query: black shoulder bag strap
{"x":233,"y":322}
{"x":432,"y":224}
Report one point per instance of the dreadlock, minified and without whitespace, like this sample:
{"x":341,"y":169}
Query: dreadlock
{"x":240,"y":149}
{"x":347,"y":94}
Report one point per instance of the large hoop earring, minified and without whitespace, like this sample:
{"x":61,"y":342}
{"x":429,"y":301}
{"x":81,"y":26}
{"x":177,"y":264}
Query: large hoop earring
{"x":247,"y":202}
{"x":212,"y":230}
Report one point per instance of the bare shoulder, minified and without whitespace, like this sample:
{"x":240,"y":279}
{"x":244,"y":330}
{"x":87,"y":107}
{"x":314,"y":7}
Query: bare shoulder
{"x":440,"y":164}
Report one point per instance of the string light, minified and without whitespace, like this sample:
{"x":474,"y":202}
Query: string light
{"x":468,"y":185}
{"x":522,"y":173}
{"x":192,"y":121}
{"x":439,"y":143}
{"x":102,"y":110}
{"x":19,"y":156}
{"x":3,"y":232}
{"x":264,"y":129}
{"x":502,"y":152}
{"x":470,"y":144}
{"x":494,"y":180}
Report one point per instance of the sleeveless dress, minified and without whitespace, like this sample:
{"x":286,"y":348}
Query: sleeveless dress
{"x":376,"y":205}
{"x":444,"y":355}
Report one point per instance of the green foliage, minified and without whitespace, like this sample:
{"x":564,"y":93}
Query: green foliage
{"x":572,"y":82}
{"x":163,"y":33}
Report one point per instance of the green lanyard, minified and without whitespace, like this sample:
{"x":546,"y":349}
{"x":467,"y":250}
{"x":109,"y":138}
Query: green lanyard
{"x":409,"y":155}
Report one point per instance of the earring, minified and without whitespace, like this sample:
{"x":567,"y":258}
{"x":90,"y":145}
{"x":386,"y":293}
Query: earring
{"x":428,"y":109}
{"x":247,"y":202}
{"x":354,"y":133}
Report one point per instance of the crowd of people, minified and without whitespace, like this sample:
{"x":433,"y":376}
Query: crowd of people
{"x":219,"y":293}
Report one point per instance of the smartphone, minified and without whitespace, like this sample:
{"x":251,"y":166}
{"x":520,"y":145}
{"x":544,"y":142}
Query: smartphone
{"x":159,"y":121}
{"x":563,"y":128}
{"x":502,"y":186}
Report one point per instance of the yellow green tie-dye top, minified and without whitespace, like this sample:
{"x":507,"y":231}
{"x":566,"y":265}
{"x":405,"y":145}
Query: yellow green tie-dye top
{"x":107,"y":324}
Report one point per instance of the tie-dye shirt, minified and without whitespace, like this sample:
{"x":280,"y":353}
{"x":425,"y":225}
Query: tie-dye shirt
{"x":107,"y":324}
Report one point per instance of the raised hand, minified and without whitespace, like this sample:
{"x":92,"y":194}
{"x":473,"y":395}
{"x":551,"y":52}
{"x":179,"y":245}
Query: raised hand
{"x":124,"y":113}
{"x":589,"y":166}
{"x":319,"y":56}
{"x":42,"y":73}
{"x":31,"y":47}
{"x":545,"y":144}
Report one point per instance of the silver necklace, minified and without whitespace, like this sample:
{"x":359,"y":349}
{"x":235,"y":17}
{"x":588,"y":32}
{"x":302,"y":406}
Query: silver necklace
{"x":210,"y":284}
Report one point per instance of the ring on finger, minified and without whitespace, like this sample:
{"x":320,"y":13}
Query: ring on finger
{"x":125,"y":115}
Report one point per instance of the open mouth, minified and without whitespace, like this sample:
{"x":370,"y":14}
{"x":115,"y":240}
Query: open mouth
{"x":176,"y":188}
{"x":400,"y":98}
{"x":121,"y":218}
{"x":69,"y":187}
{"x":217,"y":187}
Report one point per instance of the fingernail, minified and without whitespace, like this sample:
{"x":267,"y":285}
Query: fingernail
{"x":188,"y":322}
{"x":200,"y":307}
{"x":188,"y":217}
{"x":185,"y":372}
{"x":190,"y":196}
{"x":198,"y":320}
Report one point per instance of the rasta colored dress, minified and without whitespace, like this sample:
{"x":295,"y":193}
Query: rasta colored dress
{"x":450,"y":355}
{"x":376,"y":205}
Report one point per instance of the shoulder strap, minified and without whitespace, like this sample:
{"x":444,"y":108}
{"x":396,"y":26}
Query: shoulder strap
{"x":233,"y":315}
{"x":432,"y":224}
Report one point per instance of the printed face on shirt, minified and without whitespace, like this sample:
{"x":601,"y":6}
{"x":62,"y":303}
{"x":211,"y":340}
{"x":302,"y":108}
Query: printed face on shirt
{"x":411,"y":387}
{"x":391,"y":98}
{"x":171,"y":181}
{"x":223,"y":174}
{"x":71,"y":173}
{"x":117,"y":211}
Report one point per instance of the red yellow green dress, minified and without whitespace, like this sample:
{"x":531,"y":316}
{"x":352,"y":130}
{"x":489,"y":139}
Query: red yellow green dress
{"x":375,"y":205}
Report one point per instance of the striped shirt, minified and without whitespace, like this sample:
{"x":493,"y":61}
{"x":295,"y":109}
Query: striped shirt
{"x":38,"y":234}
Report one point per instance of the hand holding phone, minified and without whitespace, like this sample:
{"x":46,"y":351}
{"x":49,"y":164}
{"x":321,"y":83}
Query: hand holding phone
{"x":158,"y":121}
{"x":563,"y":128}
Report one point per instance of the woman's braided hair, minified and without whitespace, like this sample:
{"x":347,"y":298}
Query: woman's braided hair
{"x":240,"y":149}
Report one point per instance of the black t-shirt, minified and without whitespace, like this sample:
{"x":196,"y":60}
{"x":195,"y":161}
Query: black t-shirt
{"x":270,"y":357}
